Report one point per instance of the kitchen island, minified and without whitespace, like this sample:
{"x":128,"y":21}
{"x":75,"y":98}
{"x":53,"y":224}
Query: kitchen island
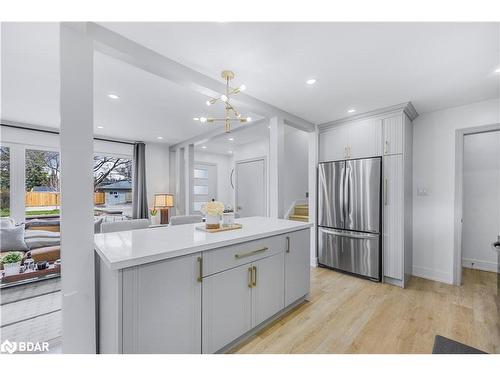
{"x":182,"y":290}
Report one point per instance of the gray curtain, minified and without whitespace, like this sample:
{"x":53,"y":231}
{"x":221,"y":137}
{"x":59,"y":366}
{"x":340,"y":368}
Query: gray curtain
{"x":140,"y":198}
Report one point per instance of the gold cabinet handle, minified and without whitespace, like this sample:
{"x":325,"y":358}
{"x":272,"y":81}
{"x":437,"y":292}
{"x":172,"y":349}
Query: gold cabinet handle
{"x":385,"y":191}
{"x":254,"y":283}
{"x":250,"y":277}
{"x":200,"y":269}
{"x":250,"y":253}
{"x":287,"y":244}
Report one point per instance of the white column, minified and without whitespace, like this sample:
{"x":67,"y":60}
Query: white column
{"x":188,"y":178}
{"x":276,"y":158}
{"x":17,"y":182}
{"x":179,"y":181}
{"x":313,"y":163}
{"x":77,"y":226}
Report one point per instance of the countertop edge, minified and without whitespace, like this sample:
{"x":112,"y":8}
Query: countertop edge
{"x":115,"y":266}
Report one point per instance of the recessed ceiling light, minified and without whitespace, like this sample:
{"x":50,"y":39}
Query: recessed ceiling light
{"x":229,"y":152}
{"x":249,"y":119}
{"x":203,"y":147}
{"x":352,"y":110}
{"x":113,"y":96}
{"x":100,"y":127}
{"x":196,"y":118}
{"x":159,"y":137}
{"x":311,"y":81}
{"x":231,"y":139}
{"x":497,"y":70}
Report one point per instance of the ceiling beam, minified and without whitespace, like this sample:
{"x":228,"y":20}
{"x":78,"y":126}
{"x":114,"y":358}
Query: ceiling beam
{"x":135,"y":54}
{"x":213,"y":134}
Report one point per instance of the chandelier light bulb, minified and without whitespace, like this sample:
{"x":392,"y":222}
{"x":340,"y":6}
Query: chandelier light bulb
{"x":223,"y":98}
{"x":243,"y":88}
{"x":249,"y":119}
{"x":203,"y":119}
{"x":208,"y":102}
{"x":196,"y":118}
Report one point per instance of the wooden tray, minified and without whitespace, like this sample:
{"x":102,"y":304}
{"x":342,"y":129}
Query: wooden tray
{"x":220,"y":229}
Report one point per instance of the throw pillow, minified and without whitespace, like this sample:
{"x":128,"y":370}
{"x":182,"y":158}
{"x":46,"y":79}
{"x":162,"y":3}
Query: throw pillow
{"x":12,"y":239}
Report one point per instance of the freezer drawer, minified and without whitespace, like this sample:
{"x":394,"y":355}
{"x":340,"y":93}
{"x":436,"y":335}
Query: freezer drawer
{"x":353,"y":252}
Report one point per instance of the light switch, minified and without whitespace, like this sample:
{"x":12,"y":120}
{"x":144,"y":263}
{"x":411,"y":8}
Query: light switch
{"x":422,"y":191}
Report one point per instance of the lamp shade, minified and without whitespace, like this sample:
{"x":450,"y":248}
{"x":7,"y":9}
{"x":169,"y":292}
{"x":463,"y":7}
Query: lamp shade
{"x":164,"y":200}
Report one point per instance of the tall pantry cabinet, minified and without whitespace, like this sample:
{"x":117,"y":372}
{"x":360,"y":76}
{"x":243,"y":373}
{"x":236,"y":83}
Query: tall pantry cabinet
{"x":387,"y":133}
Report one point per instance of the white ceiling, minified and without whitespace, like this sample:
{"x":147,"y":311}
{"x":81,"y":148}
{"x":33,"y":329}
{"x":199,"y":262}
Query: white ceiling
{"x":361,"y":65}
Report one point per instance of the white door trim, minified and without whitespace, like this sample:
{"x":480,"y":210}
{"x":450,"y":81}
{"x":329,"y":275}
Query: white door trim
{"x":459,"y":181}
{"x":264,"y":159}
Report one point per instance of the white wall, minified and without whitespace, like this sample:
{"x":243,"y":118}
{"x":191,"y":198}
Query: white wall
{"x":481,"y":200}
{"x":223,"y":162}
{"x":434,"y":170}
{"x":296,"y":167}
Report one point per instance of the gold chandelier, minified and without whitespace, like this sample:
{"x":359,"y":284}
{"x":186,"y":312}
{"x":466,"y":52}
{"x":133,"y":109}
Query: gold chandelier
{"x":232,"y":115}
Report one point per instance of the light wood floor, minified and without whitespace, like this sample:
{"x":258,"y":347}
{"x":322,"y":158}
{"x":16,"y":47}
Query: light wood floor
{"x":352,"y":315}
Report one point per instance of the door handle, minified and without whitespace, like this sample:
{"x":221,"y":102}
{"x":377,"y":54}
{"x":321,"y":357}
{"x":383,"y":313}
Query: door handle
{"x":250,"y":277}
{"x":496,"y":245}
{"x":287,"y":244}
{"x":250,"y":253}
{"x":200,"y":269}
{"x":386,"y":147}
{"x":254,"y":283}
{"x":385,"y":191}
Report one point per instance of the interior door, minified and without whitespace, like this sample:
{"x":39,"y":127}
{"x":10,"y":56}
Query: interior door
{"x":362,"y":196}
{"x":226,"y":307}
{"x":250,"y":187}
{"x":268,"y":293}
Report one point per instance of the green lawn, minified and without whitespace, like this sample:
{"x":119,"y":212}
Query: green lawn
{"x":42,"y":212}
{"x":6,"y":212}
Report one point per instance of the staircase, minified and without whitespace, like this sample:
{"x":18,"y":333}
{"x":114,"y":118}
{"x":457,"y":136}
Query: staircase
{"x":300,"y":213}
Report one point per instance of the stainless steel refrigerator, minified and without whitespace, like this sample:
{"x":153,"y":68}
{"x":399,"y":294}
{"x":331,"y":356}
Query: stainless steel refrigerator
{"x":349,"y":216}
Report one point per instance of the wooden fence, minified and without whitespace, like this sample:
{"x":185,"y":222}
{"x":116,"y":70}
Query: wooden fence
{"x":44,"y":199}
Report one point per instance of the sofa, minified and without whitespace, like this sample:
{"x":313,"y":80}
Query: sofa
{"x":41,"y":244}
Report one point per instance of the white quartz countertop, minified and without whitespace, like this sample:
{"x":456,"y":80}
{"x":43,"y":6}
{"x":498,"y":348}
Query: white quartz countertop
{"x":131,"y":248}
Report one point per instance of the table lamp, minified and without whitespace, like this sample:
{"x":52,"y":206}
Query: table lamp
{"x":164,"y":201}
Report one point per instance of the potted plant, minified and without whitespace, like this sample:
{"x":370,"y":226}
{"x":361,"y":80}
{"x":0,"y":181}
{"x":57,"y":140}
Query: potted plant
{"x":213,"y":210}
{"x":155,"y":218}
{"x":12,"y":263}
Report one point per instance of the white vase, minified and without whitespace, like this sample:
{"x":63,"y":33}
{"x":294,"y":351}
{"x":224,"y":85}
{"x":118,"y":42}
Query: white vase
{"x":11,"y":268}
{"x":212,"y":222}
{"x":155,"y":220}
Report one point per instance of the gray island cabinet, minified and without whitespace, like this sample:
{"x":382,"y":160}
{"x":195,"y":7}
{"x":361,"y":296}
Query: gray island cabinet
{"x":181,"y":290}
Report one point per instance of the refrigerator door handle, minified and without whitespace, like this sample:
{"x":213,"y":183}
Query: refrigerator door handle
{"x":345,"y":195}
{"x":349,"y":234}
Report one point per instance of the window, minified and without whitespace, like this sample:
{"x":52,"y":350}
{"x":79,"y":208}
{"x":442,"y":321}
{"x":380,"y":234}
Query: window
{"x":42,"y":196}
{"x":113,"y":185}
{"x":204,"y":184}
{"x":5,"y":182}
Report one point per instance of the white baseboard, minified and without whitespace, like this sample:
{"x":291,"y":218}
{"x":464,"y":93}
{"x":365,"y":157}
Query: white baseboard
{"x":479,"y":265}
{"x":314,"y":262}
{"x":431,"y":274}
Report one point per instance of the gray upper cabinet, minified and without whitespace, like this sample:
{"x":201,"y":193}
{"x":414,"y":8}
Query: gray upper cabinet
{"x":393,"y":135}
{"x":162,"y":307}
{"x":297,"y":265}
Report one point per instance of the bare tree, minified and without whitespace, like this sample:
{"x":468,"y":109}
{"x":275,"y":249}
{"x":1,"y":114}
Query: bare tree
{"x":104,"y":166}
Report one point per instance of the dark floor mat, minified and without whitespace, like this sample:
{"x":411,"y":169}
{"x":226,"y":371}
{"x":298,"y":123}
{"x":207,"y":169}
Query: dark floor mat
{"x":442,"y":345}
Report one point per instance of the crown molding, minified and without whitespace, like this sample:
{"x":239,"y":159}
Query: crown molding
{"x":406,"y":108}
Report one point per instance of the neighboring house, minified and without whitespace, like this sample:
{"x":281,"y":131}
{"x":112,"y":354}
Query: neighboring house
{"x":118,"y":192}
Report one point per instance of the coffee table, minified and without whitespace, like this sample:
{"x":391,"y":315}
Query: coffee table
{"x":30,"y":276}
